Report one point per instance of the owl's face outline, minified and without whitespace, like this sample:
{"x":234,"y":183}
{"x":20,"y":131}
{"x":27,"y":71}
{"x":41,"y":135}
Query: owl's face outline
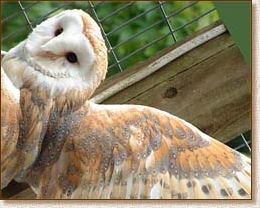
{"x":48,"y":44}
{"x":66,"y":50}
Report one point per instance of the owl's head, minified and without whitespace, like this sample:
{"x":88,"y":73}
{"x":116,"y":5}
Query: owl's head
{"x":65,"y":52}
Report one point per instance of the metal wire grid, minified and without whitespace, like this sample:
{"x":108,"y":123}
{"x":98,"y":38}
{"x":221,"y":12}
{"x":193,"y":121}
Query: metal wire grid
{"x":118,"y":61}
{"x":242,"y":143}
{"x":107,"y":35}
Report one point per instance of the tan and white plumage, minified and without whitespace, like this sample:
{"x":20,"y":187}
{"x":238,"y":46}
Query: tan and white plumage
{"x":69,"y":147}
{"x":10,"y":114}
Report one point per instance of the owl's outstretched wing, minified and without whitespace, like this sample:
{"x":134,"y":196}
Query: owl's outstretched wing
{"x":127,"y":151}
{"x":9,"y":128}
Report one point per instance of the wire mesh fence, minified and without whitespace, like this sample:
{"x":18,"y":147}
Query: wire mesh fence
{"x":133,"y":31}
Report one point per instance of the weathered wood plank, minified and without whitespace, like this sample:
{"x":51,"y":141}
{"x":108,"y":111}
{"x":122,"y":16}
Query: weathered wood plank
{"x":12,"y":189}
{"x":181,"y":64}
{"x":25,"y":194}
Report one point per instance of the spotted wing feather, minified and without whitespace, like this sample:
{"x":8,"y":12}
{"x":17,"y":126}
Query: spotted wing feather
{"x":9,"y":128}
{"x":140,"y":152}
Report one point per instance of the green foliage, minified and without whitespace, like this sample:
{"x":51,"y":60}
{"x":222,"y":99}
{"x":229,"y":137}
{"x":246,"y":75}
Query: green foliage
{"x":137,"y":38}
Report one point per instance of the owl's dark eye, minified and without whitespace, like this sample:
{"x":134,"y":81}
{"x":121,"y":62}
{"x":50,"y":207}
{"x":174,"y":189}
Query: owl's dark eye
{"x":58,"y":31}
{"x":71,"y":57}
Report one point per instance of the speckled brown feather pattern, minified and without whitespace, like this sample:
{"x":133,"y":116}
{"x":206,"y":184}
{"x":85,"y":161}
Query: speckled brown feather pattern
{"x":10,"y":114}
{"x":65,"y":146}
{"x":125,"y":152}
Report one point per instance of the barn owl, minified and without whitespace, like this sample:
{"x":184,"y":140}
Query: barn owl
{"x":65,"y":146}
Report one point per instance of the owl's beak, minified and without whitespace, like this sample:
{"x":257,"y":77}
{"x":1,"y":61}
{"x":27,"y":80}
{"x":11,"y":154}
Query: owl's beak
{"x":46,"y":51}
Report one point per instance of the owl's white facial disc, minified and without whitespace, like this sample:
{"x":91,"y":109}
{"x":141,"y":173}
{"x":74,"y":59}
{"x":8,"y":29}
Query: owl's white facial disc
{"x":60,"y":49}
